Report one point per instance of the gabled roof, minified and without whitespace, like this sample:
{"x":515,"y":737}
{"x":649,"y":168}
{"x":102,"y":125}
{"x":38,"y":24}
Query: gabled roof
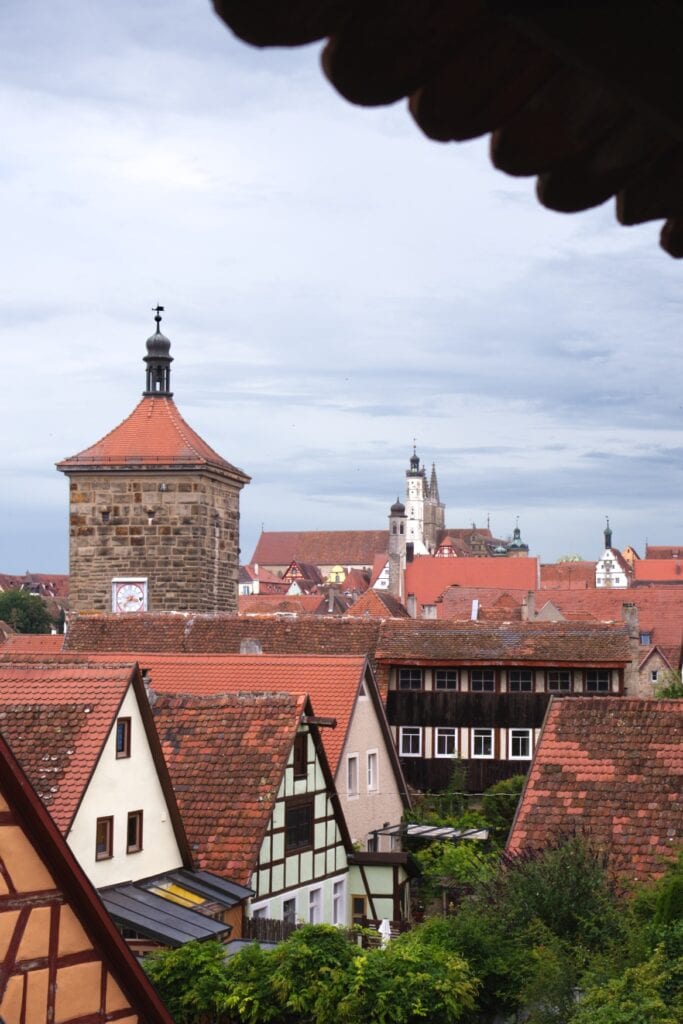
{"x":331,"y":683}
{"x":356,"y":580}
{"x":196,"y":634}
{"x":561,"y":643}
{"x":154,"y":436}
{"x":427,"y":577}
{"x":227,"y":755}
{"x":254,"y":572}
{"x":380,"y":604}
{"x":37,"y":858}
{"x":57,"y":718}
{"x":270,"y":604}
{"x":611,"y":768}
{"x":45,"y":584}
{"x":493,"y":603}
{"x":299,"y":571}
{"x":320,"y":547}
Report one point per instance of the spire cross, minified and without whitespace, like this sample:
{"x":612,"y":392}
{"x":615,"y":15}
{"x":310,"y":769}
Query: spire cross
{"x":158,"y":310}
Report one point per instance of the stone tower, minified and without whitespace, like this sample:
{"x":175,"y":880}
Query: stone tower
{"x":154,"y":511}
{"x":397,"y":548}
{"x":434,"y":514}
{"x":425,"y":512}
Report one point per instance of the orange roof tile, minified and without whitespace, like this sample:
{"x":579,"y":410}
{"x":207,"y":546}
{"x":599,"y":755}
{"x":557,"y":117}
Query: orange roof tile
{"x":57,"y":716}
{"x":613,"y":769}
{"x":493,"y":603}
{"x":568,"y":575}
{"x":658,"y":569}
{"x":268,"y":604}
{"x":33,"y":643}
{"x":378,"y":603}
{"x":154,"y":435}
{"x":227,"y":755}
{"x":331,"y":683}
{"x":427,"y":577}
{"x":321,"y":547}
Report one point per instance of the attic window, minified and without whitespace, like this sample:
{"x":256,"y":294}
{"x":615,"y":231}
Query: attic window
{"x":250,"y":646}
{"x":123,"y":737}
{"x":645,"y":638}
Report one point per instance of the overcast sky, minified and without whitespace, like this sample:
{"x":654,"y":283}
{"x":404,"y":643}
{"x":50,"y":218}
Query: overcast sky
{"x":335,"y":284}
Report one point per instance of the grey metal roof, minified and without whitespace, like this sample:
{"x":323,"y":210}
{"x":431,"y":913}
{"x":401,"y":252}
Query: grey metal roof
{"x":433,"y":832}
{"x":158,"y":918}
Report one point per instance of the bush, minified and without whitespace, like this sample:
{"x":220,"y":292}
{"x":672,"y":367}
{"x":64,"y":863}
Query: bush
{"x":24,"y":612}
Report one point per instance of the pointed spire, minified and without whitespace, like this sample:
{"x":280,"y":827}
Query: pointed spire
{"x":434,"y":485}
{"x":608,"y":534}
{"x":158,"y":360}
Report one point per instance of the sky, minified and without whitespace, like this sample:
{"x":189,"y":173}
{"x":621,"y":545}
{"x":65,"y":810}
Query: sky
{"x":335,"y":285}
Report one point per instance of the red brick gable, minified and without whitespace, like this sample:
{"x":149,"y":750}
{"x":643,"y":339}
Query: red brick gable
{"x":227,"y":755}
{"x":612,"y":769}
{"x":154,"y":435}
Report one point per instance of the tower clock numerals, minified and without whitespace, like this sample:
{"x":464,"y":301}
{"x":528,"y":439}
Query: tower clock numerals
{"x":129,"y":595}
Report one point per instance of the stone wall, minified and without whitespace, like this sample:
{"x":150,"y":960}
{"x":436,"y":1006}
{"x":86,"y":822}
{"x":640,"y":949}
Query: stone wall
{"x":180,"y":530}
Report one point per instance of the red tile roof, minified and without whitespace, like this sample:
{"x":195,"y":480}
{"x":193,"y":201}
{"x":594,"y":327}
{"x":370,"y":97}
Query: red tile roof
{"x":331,"y":683}
{"x":32,"y":643}
{"x":154,"y":435}
{"x":227,"y":756}
{"x":380,"y":604}
{"x":222,"y":634}
{"x":57,"y":716}
{"x":566,"y":575}
{"x":321,"y":547}
{"x":268,"y":604}
{"x":427,"y":578}
{"x":44,"y":584}
{"x":494,"y":603}
{"x":548,"y":643}
{"x":612,"y":768}
{"x":663,"y":551}
{"x":658,"y":569}
{"x":356,"y":581}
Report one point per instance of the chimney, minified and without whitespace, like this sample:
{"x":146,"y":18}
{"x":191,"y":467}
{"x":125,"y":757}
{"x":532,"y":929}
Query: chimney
{"x":629,"y":613}
{"x":256,"y":568}
{"x":529,"y":607}
{"x":474,"y":615}
{"x":330,"y":600}
{"x":411,"y":606}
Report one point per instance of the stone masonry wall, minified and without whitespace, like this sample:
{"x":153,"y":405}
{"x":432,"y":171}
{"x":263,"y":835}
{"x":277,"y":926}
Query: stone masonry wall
{"x":180,"y":530}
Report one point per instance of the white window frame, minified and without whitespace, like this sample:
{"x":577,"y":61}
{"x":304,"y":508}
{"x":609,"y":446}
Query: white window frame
{"x":352,"y":782}
{"x":339,"y":902}
{"x":410,"y":732}
{"x":372,"y":773}
{"x":445,"y":732}
{"x":478,"y":733}
{"x":315,"y":905}
{"x":530,"y":740}
{"x":654,"y":675}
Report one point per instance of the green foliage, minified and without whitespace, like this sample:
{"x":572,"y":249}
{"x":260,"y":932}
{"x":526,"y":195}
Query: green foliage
{"x":649,"y":993}
{"x":462,"y":862}
{"x":672,"y":687}
{"x":191,"y":980}
{"x":669,"y":896}
{"x":24,"y":612}
{"x":403,"y":983}
{"x":499,"y":804}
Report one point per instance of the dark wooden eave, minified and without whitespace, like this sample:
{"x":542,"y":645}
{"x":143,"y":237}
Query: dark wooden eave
{"x":586,"y":96}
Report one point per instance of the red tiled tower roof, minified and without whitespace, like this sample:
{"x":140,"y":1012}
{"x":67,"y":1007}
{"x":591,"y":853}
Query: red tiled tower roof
{"x":611,"y":768}
{"x":154,"y":436}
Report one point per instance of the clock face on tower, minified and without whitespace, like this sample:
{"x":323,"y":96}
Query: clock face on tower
{"x":129,"y":595}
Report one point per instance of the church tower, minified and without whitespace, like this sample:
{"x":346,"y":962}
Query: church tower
{"x":434,"y":514}
{"x":416,"y":496}
{"x":397,"y":548}
{"x":154,"y":511}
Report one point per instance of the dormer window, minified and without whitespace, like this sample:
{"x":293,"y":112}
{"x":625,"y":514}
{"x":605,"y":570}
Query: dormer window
{"x":123,"y":737}
{"x":645,"y":638}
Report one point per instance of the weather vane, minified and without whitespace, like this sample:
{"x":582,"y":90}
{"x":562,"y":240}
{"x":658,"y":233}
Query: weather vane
{"x":158,"y":310}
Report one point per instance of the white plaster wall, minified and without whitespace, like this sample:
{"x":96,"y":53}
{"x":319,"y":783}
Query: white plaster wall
{"x":120,"y":785}
{"x":370,"y":809}
{"x":273,"y":906}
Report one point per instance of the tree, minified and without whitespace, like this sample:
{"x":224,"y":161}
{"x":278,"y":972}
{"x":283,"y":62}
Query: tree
{"x":672,"y":687}
{"x":191,"y":981}
{"x":499,"y":804}
{"x":24,"y":612}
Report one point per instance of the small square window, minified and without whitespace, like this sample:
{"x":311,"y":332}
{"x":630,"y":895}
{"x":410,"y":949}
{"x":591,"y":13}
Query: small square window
{"x":410,"y":741}
{"x":410,"y":679}
{"x":446,"y":679}
{"x":104,"y":838}
{"x":520,"y":680}
{"x":654,"y":675}
{"x":358,"y":909}
{"x":301,"y":755}
{"x":520,"y":744}
{"x":559,"y":680}
{"x":597,"y":680}
{"x":134,"y":832}
{"x":645,"y":638}
{"x":446,"y":743}
{"x":482,"y":743}
{"x":482,"y":680}
{"x":123,"y":737}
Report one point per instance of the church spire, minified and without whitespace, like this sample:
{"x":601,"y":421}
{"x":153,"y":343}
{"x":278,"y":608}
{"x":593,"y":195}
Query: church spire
{"x":158,"y":360}
{"x":434,"y":485}
{"x":608,"y":534}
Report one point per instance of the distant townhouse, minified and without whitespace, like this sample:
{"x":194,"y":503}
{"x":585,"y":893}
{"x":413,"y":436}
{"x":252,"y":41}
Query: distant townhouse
{"x":611,"y":770}
{"x":477,"y":693}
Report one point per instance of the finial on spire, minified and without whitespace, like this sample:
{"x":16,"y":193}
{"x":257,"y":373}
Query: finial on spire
{"x":158,"y":310}
{"x":608,"y":533}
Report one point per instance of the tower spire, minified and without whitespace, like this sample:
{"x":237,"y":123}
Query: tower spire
{"x":434,"y":485}
{"x":158,"y":360}
{"x":608,"y":534}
